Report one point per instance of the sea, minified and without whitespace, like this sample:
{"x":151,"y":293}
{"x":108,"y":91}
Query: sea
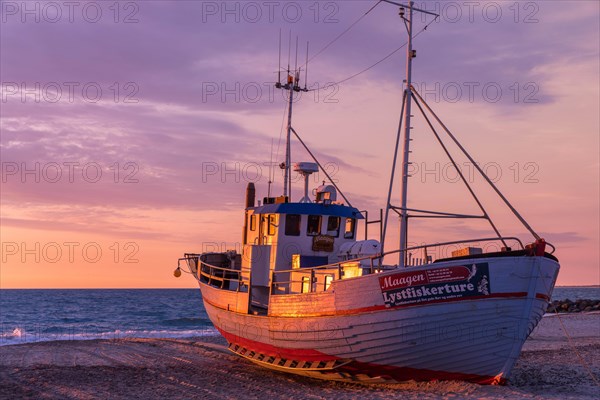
{"x":36,"y":315}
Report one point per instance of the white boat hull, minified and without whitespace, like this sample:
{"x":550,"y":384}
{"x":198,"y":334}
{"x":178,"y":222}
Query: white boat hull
{"x":355,"y":332}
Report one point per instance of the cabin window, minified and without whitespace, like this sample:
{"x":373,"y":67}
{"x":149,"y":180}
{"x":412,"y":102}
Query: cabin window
{"x":305,"y":284}
{"x":271,"y":224}
{"x":328,"y":280}
{"x":333,"y":226}
{"x":350,"y":227}
{"x":252,"y":222}
{"x":314,"y":225}
{"x":292,"y":225}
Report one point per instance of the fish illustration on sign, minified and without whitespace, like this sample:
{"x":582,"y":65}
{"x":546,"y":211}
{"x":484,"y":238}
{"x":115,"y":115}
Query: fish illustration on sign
{"x":473,"y":272}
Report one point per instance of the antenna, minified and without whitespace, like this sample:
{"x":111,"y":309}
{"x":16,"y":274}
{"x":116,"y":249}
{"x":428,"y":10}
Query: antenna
{"x":306,"y":71}
{"x":291,"y":85}
{"x":279,"y":68}
{"x":296,"y":74}
{"x":289,"y":51}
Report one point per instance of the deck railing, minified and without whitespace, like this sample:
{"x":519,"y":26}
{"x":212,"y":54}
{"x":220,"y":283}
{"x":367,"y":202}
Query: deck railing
{"x":283,"y":281}
{"x":319,"y":278}
{"x":220,"y":277}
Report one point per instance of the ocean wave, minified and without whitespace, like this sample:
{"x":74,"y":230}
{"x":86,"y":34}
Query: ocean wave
{"x":186,"y":321}
{"x":15,"y":333}
{"x":71,"y":320}
{"x":19,"y":335}
{"x":57,"y":330}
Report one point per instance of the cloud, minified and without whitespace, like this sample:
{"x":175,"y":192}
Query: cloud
{"x":563,"y":237}
{"x":188,"y":114}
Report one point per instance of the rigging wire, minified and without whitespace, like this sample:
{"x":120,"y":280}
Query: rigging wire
{"x":343,"y":33}
{"x":378,"y":62}
{"x":320,"y":166}
{"x":334,"y":39}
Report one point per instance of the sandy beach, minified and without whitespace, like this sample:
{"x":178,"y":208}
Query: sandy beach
{"x":550,"y":367}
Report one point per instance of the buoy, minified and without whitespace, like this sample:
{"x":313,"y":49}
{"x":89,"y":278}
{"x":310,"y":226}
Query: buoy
{"x":177,"y":272}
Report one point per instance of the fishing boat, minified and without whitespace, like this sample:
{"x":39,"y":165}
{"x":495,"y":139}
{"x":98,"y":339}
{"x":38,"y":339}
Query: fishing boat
{"x":306,"y":295}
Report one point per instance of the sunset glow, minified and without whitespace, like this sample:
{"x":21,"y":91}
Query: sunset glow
{"x":129,"y":134}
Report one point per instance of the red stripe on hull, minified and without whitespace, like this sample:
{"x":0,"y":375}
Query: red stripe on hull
{"x":542,"y":296}
{"x":292,"y":354}
{"x":388,"y":372}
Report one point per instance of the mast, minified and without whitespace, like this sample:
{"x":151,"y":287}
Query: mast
{"x":404,"y":123}
{"x":405,"y":118}
{"x":410,"y":54}
{"x":288,"y":155}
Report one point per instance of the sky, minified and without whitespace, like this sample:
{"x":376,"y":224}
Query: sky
{"x":129,"y":130}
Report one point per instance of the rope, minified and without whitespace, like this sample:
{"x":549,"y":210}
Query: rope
{"x":570,"y":341}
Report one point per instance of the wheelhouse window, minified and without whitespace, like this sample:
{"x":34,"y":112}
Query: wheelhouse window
{"x":271,"y":224}
{"x":328,"y":280}
{"x":253,"y":222}
{"x":314,"y":225}
{"x":350,"y":228}
{"x":333,"y":226}
{"x":292,"y":225}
